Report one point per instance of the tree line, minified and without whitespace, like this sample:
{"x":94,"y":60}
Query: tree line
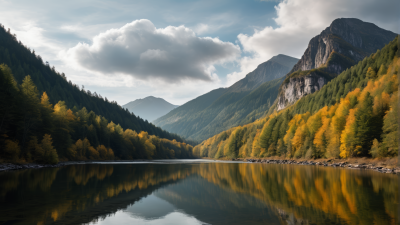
{"x":354,"y":115}
{"x":34,"y":130}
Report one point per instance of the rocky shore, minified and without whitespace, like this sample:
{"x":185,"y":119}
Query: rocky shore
{"x":12,"y":166}
{"x":331,"y":163}
{"x":19,"y":166}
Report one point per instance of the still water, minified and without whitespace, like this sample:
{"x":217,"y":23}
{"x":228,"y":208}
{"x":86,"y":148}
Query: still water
{"x":197,"y":192}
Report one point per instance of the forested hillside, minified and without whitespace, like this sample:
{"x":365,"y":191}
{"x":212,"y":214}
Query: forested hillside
{"x":355,"y":114}
{"x":24,"y":61}
{"x":33,"y":129}
{"x":243,"y":102}
{"x":44,"y":118}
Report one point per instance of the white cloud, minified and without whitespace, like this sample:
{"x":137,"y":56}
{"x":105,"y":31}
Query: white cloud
{"x":144,"y":52}
{"x":300,"y":20}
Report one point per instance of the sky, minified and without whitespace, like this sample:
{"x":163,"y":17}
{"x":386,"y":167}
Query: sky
{"x":175,"y":49}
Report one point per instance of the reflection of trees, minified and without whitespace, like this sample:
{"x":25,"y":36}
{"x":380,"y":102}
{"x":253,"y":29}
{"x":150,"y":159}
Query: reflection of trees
{"x":81,"y":193}
{"x":84,"y":191}
{"x":33,"y":179}
{"x":357,"y":197}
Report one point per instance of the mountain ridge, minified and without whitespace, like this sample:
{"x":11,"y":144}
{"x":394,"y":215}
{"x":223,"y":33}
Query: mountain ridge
{"x":150,"y":107}
{"x":201,"y":123}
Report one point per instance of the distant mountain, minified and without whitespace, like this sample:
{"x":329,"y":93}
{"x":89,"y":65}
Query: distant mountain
{"x":341,"y":45}
{"x":243,"y":102}
{"x":150,"y":108}
{"x":272,"y":69}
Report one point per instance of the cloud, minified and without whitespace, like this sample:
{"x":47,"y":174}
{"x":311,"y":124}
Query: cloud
{"x":298,"y":21}
{"x":144,"y":52}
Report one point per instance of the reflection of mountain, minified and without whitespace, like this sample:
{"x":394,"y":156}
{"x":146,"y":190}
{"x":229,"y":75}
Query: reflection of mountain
{"x":210,"y":203}
{"x":215,"y":193}
{"x":150,"y":207}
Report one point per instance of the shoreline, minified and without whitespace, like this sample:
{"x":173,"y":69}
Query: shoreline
{"x":383,"y":165}
{"x":379,"y":165}
{"x":19,"y":166}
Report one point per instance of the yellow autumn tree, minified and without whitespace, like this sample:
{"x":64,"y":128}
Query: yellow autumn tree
{"x":348,"y":136}
{"x":320,"y":138}
{"x":11,"y":150}
{"x":105,"y":153}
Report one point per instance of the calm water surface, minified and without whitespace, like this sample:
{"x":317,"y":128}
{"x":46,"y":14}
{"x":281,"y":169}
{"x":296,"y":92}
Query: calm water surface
{"x":197,"y":192}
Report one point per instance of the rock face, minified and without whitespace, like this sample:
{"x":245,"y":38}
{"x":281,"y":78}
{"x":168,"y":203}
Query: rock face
{"x":341,"y":45}
{"x":298,"y":87}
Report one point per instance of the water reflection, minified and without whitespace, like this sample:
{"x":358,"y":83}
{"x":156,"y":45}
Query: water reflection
{"x":201,"y":193}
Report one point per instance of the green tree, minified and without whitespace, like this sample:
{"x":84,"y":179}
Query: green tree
{"x":30,"y":111}
{"x":50,"y":154}
{"x":363,"y":127}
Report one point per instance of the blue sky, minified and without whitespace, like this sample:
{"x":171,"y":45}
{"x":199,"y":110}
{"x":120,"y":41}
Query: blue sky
{"x":174,"y":49}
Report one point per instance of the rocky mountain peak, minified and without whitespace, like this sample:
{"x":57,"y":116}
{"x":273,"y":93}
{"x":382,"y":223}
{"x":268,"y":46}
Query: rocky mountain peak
{"x":341,"y":45}
{"x":350,"y":37}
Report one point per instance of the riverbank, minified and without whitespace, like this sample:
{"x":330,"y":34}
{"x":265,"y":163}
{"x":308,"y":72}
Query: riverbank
{"x":383,"y":165}
{"x":19,"y":166}
{"x":386,"y":165}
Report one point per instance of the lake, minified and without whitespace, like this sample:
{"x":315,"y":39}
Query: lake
{"x":197,"y":192}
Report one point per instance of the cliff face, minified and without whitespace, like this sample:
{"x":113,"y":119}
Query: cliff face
{"x":340,"y":46}
{"x":298,"y":87}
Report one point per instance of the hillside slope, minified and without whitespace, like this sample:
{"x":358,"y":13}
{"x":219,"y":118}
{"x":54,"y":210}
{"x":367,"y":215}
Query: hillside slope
{"x":149,"y":108}
{"x":246,"y":100}
{"x":341,"y":45}
{"x":23,"y":61}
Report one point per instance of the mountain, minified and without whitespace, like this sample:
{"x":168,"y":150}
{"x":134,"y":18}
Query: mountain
{"x":356,"y":114}
{"x":245,"y":101}
{"x":272,"y":69}
{"x":341,"y":45}
{"x":149,"y":108}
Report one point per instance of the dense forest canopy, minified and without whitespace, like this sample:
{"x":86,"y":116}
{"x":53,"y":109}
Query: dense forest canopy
{"x":355,"y":114}
{"x":32,"y":129}
{"x":24,"y":61}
